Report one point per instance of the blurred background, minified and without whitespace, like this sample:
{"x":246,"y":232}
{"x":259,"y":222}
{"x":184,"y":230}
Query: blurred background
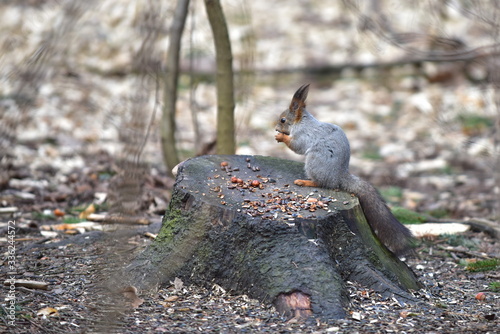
{"x":413,"y":84}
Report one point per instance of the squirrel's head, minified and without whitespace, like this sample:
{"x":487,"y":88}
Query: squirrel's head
{"x":294,"y":112}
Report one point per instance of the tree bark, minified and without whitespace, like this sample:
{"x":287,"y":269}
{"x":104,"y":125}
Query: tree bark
{"x":282,"y":244}
{"x":170,"y":154}
{"x":225,"y":87}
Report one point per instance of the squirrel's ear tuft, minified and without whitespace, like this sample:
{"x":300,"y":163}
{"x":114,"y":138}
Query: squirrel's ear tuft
{"x":299,"y":98}
{"x":301,"y":93}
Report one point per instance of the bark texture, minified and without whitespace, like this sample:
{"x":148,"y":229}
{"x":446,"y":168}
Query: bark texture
{"x":225,"y":86}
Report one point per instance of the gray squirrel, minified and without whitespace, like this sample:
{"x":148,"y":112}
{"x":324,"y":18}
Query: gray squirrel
{"x":327,"y":153}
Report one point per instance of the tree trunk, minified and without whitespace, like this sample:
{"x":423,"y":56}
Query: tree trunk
{"x":265,"y":237}
{"x":167,"y":126}
{"x":225,"y":88}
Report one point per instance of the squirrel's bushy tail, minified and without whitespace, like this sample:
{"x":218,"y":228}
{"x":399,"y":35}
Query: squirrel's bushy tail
{"x":394,"y":235}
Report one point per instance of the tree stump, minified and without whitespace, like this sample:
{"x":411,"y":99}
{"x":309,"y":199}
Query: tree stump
{"x":240,"y":222}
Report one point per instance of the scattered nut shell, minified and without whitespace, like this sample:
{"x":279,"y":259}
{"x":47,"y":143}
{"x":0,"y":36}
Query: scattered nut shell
{"x":481,"y":296}
{"x":58,"y":213}
{"x":255,"y":183}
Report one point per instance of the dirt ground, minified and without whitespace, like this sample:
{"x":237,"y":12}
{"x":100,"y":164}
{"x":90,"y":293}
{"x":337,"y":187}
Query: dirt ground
{"x":79,"y":299}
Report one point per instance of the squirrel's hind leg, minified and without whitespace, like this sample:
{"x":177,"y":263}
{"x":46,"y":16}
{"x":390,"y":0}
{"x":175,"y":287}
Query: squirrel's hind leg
{"x":305,"y":183}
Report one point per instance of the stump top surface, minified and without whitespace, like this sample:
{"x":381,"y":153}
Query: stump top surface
{"x":259,"y":186}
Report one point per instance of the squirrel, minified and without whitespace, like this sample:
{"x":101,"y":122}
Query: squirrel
{"x":327,"y":153}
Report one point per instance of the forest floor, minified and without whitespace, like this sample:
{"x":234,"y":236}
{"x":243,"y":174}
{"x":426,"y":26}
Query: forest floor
{"x":77,"y":265}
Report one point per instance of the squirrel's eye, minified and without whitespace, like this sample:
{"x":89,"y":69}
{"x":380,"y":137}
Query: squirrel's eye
{"x":283,"y":120}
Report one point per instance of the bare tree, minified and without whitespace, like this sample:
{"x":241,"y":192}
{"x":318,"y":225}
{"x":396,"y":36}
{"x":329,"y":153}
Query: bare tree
{"x":170,"y":154}
{"x":225,"y":88}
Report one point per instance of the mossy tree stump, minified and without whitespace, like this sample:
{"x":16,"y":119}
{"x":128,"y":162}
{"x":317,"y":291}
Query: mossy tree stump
{"x":263,"y":236}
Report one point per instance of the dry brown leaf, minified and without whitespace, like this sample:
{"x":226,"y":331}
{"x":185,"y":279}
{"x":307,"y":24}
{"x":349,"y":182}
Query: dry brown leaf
{"x":85,"y":213}
{"x":178,"y":284}
{"x":130,"y":292}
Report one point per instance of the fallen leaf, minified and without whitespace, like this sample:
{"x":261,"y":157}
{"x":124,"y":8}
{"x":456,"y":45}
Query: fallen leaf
{"x":178,"y":284}
{"x":85,"y":213}
{"x":130,"y":292}
{"x":47,"y":311}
